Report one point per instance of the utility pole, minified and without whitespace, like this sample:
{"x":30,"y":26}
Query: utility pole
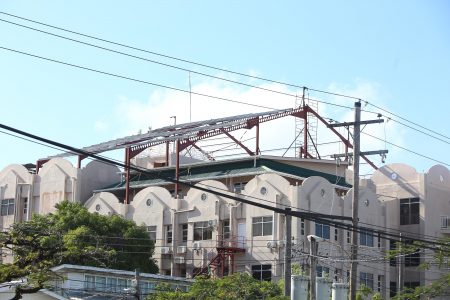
{"x":313,"y":248}
{"x":135,"y":285}
{"x":288,"y":254}
{"x":354,"y":247}
{"x":400,"y":267}
{"x":355,"y":201}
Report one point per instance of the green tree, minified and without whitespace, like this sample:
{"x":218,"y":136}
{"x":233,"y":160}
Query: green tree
{"x":234,"y":287}
{"x":440,"y":259}
{"x":72,"y":235}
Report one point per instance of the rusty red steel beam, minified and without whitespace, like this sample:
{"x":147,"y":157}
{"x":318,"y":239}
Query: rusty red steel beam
{"x":250,"y":152}
{"x":204,"y":152}
{"x":343,"y":139}
{"x":204,"y":134}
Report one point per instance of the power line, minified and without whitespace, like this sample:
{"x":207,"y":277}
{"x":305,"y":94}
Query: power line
{"x":404,"y":119}
{"x":408,"y":150}
{"x":209,"y":67}
{"x":248,"y":196}
{"x":307,"y":216}
{"x":132,"y":79}
{"x":176,"y":58}
{"x":154,"y":61}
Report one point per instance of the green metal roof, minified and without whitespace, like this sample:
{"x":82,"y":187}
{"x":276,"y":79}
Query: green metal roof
{"x":217,"y":170}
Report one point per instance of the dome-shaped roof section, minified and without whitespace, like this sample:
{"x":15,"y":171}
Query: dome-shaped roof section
{"x":212,"y":185}
{"x":161,"y":193}
{"x":65,"y":165}
{"x":397,"y":172}
{"x":20,"y":170}
{"x":438,"y":174}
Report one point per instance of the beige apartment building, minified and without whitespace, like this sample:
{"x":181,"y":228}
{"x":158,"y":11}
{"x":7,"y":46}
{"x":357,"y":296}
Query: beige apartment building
{"x":199,"y":232}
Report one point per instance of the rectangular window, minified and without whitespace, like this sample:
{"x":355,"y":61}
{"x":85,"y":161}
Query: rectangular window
{"x":202,"y":231}
{"x":411,"y":284}
{"x":323,"y":231}
{"x":348,"y":237}
{"x":302,"y":226}
{"x":121,"y":284}
{"x":413,"y":259}
{"x":379,"y":240}
{"x":337,"y":274}
{"x":184,"y":233}
{"x":7,"y":207}
{"x":322,"y":271}
{"x":392,"y":289}
{"x":152,"y":232}
{"x":100,"y":283}
{"x":25,"y":206}
{"x":239,"y":187}
{"x":366,"y":279}
{"x":262,"y":272}
{"x":380,"y":284}
{"x":111,"y":284}
{"x":262,"y":226}
{"x":366,"y":238}
{"x":336,"y":234}
{"x":226,"y":229}
{"x":89,"y":282}
{"x":392,"y":246}
{"x":409,"y":211}
{"x":169,"y":234}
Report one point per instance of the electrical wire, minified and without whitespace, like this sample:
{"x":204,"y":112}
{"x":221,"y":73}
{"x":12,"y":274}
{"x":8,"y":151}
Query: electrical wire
{"x":210,"y":67}
{"x":305,"y":216}
{"x":177,"y":59}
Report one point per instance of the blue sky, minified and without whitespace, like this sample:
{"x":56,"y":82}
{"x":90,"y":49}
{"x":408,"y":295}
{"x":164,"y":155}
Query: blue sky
{"x":394,"y":54}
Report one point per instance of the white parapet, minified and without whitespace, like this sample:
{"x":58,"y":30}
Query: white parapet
{"x":299,"y":287}
{"x":339,"y":291}
{"x":323,"y":288}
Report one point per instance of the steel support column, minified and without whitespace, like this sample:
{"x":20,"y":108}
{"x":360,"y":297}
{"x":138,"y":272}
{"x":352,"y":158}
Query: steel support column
{"x":167,"y":153}
{"x":177,"y":168}
{"x":127,"y":175}
{"x":257,"y":139}
{"x":305,"y":133}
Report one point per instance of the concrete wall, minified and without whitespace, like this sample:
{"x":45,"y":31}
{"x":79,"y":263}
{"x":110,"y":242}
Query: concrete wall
{"x":154,"y":206}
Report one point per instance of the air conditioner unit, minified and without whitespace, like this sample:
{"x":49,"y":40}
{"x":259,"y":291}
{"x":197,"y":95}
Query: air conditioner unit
{"x":179,"y":260}
{"x":181,"y":249}
{"x":271,"y":244}
{"x":212,"y":223}
{"x":166,"y":250}
{"x":197,"y":245}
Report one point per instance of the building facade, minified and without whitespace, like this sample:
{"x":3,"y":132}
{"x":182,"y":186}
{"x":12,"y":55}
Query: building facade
{"x":198,"y":232}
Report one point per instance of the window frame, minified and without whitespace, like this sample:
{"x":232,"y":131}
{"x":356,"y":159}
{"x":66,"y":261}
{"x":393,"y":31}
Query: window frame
{"x":302,"y":226}
{"x":409,"y":211}
{"x":320,"y":270}
{"x":262,"y":226}
{"x":226,"y":229}
{"x":202,"y":231}
{"x":184,"y":232}
{"x":7,"y":207}
{"x":152,"y":230}
{"x":322,"y":230}
{"x":366,"y":238}
{"x":169,"y":234}
{"x":366,"y":279}
{"x":262,"y":272}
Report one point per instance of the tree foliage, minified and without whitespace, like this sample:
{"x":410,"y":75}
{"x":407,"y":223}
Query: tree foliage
{"x":233,"y":287}
{"x":440,"y":260}
{"x":72,"y":235}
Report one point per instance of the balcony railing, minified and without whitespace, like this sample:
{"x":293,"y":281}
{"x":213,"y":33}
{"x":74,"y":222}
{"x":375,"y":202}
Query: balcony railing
{"x":230,"y":241}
